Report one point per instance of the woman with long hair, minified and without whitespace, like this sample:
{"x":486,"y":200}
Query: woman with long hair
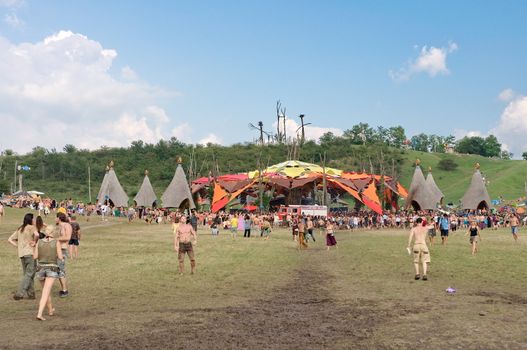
{"x":47,"y":252}
{"x":330,"y":235}
{"x":23,"y":239}
{"x":40,"y":226}
{"x":475,"y":237}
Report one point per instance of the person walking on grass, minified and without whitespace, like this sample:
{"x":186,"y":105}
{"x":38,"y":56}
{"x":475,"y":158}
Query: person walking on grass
{"x":64,"y":230}
{"x":444,"y":226}
{"x":266,"y":229}
{"x":2,"y":212}
{"x":310,"y":229}
{"x":48,"y":253}
{"x":420,"y":250}
{"x":234,"y":226}
{"x":247,"y":223}
{"x":475,"y":236}
{"x":330,"y":235}
{"x":301,"y":235}
{"x":183,"y":245}
{"x":515,"y":222}
{"x":24,"y":240}
{"x":74,"y":241}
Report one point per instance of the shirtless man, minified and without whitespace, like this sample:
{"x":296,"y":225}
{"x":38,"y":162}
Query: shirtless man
{"x":514,"y":226}
{"x":420,"y":250}
{"x":64,"y":230}
{"x":183,"y":245}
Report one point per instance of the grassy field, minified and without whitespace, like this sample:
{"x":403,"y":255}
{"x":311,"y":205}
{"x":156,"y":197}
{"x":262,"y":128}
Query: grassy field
{"x":249,"y":293}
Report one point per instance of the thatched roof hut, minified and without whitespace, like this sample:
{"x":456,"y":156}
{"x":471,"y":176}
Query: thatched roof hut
{"x":177,"y":194}
{"x":146,"y":196}
{"x":435,"y":193}
{"x":476,"y":196}
{"x":419,"y":195}
{"x":111,"y":189}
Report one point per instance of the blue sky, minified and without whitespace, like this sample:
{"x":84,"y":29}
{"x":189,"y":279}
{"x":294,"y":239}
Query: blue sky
{"x":201,"y":71}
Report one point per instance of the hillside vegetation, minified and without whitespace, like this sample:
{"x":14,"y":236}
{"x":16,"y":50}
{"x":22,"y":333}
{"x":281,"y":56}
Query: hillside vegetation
{"x":65,"y":174}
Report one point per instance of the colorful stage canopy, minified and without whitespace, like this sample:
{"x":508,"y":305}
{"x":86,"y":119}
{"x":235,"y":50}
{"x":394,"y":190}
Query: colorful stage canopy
{"x":296,"y":174}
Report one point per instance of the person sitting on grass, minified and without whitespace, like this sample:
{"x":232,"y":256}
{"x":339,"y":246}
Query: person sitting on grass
{"x":475,"y":237}
{"x":420,"y":250}
{"x":47,"y":252}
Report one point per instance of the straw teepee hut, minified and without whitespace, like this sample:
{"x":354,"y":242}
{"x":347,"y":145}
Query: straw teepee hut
{"x":103,"y":184}
{"x":177,"y":194}
{"x":419,"y":195}
{"x":146,"y":196}
{"x":435,"y":193}
{"x":111,"y":190}
{"x":476,"y":196}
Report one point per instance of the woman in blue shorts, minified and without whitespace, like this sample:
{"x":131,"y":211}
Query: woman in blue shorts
{"x":47,"y":251}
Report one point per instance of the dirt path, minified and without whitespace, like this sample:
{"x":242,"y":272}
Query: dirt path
{"x":300,"y":315}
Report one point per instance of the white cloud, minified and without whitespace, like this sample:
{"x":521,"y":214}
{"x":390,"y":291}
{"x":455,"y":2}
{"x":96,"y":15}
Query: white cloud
{"x":460,"y":133}
{"x":13,"y":21}
{"x":431,"y":60}
{"x":512,"y":127}
{"x":311,"y":132}
{"x":506,"y":95}
{"x":128,"y":73}
{"x":211,"y":138}
{"x":182,"y":132}
{"x":12,"y":3}
{"x":60,"y":90}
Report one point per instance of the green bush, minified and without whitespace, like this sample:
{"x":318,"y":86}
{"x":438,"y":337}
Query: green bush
{"x":447,"y":164}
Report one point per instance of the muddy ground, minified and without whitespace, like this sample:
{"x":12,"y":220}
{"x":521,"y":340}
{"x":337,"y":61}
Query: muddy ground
{"x":303,"y":314}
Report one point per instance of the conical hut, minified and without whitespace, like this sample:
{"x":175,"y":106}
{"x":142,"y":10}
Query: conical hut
{"x":103,"y":184}
{"x":111,"y":190}
{"x":419,"y":195}
{"x":177,"y":194}
{"x":435,"y":193}
{"x":146,"y":196}
{"x":476,"y":196}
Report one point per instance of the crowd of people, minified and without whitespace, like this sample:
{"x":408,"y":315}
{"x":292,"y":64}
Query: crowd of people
{"x":43,"y":250}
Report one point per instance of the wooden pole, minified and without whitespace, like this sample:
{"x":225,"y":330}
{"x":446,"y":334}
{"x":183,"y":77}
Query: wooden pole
{"x":89,"y":184}
{"x":324,"y":181}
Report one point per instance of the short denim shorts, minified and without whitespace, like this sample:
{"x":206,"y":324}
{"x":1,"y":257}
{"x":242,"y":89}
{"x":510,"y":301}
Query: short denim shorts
{"x":47,"y":272}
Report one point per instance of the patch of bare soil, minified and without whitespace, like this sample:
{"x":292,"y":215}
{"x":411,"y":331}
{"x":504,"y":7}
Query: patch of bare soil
{"x":502,"y":298}
{"x":300,"y":315}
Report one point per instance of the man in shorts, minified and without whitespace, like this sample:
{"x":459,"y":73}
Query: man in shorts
{"x":183,"y":244}
{"x":419,"y":249}
{"x":75,"y":238}
{"x":515,"y":222}
{"x":444,"y":226}
{"x":64,"y":235}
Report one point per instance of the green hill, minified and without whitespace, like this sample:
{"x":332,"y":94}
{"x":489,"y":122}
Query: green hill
{"x":505,"y":178}
{"x":65,"y":174}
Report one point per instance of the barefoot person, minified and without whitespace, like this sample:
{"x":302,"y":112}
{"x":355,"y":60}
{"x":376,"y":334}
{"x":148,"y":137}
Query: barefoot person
{"x":475,"y":237}
{"x":301,"y":234}
{"x":182,"y":244}
{"x":75,"y":238}
{"x":515,"y":222}
{"x":330,"y":235}
{"x":420,"y":250}
{"x":47,"y":252}
{"x":23,"y":239}
{"x":63,"y":236}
